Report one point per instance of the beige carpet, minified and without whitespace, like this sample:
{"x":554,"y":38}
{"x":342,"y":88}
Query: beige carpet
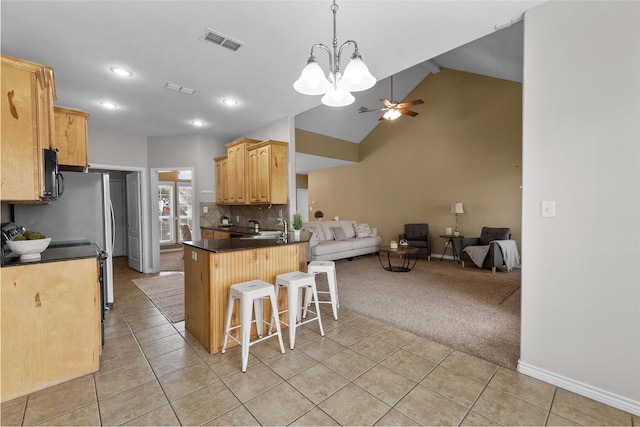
{"x":468,"y":309}
{"x":167,"y":293}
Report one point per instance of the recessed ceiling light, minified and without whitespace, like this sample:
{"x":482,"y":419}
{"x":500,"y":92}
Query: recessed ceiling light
{"x":109,"y":105}
{"x":198,"y":123}
{"x":121,"y":72}
{"x":230,"y":101}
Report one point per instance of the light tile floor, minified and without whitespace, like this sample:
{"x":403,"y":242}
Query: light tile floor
{"x":362,"y":372}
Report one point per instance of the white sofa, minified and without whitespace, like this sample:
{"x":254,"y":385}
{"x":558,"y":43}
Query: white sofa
{"x":324,"y":246}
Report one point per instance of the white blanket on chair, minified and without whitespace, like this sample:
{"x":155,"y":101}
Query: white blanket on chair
{"x":477,"y":254}
{"x":509,"y":253}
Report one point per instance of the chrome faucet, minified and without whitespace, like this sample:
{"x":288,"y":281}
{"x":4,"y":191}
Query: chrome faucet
{"x":283,"y":222}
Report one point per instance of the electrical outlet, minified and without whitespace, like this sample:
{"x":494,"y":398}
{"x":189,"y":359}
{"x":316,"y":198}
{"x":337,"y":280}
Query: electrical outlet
{"x":205,"y":209}
{"x":194,"y":256}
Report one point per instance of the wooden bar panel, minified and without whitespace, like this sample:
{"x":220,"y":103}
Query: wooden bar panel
{"x":224,"y":270}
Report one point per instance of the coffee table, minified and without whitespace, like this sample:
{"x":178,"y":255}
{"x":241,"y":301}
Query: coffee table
{"x":407,"y":255}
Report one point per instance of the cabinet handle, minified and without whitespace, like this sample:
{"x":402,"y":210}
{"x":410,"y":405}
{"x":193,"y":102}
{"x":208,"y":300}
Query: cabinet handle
{"x":12,"y":107}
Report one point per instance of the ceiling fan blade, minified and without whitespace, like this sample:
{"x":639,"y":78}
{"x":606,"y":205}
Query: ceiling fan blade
{"x":367,"y":110}
{"x":407,"y":112}
{"x":410,"y":103}
{"x":387,"y":103}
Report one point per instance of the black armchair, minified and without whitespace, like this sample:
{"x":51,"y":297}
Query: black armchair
{"x":417,"y":235}
{"x":494,"y":257}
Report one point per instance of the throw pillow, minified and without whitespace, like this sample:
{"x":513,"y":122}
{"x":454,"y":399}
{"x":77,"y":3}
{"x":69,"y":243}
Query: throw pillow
{"x":363,"y":230}
{"x":338,"y":233}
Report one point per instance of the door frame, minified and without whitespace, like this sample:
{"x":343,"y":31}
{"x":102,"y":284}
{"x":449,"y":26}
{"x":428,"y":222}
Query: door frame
{"x":154,"y":232}
{"x":147,"y":265}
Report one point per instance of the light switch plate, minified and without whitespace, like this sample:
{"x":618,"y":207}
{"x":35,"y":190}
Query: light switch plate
{"x":548,"y":209}
{"x":194,"y":256}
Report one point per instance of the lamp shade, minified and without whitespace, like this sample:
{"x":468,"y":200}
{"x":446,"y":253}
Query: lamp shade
{"x":456,"y":208}
{"x":337,"y":98}
{"x":356,"y":76}
{"x":312,"y":80}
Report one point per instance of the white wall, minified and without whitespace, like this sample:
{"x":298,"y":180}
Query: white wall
{"x":194,"y":151}
{"x":581,"y":149}
{"x":110,"y":148}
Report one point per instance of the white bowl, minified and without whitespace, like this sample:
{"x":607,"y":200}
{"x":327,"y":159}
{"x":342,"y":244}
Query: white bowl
{"x":29,"y":250}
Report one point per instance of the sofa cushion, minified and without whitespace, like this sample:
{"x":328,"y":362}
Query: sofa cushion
{"x":363,"y":230}
{"x":317,"y":231}
{"x":349,"y":228}
{"x":364,"y":242}
{"x":338,"y":233}
{"x":326,"y":229}
{"x":331,"y":247}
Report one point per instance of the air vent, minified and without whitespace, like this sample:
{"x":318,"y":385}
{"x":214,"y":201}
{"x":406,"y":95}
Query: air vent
{"x":218,"y":39}
{"x":177,"y":87}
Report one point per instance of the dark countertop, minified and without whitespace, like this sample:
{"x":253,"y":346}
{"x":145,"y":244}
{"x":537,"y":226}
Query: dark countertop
{"x":241,"y":244}
{"x":55,"y":254}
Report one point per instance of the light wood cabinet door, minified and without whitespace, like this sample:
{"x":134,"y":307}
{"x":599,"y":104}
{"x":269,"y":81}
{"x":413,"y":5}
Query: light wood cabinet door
{"x":50,"y":324}
{"x":206,"y":233}
{"x":71,"y":138}
{"x":27,"y":91}
{"x":238,"y":183}
{"x":222,"y":179}
{"x":268,"y":173}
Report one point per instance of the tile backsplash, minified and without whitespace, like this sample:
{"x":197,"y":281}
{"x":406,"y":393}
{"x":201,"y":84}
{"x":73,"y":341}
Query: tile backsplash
{"x":240,"y":215}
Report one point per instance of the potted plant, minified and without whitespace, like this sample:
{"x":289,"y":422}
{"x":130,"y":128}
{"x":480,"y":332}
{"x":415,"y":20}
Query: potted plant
{"x":296,"y":223}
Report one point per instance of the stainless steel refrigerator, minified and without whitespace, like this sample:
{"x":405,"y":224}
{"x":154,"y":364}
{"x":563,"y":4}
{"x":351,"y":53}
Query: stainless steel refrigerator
{"x":82,"y":215}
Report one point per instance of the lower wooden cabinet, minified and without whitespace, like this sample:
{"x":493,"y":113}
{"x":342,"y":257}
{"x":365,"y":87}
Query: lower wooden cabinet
{"x":50,"y":324}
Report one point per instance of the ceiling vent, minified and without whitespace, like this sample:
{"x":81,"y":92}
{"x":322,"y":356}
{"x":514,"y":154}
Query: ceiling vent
{"x":214,"y":37}
{"x":177,"y":87}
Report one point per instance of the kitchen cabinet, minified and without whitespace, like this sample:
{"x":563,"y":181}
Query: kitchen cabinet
{"x":267,"y":172}
{"x":28,"y":91}
{"x":237,"y":184}
{"x":50,"y":324}
{"x":222,"y":174}
{"x":206,"y":233}
{"x":71,"y":138}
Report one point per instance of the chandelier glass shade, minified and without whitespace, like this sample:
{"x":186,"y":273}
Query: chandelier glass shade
{"x":335,"y":86}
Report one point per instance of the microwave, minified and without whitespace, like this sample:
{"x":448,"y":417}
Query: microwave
{"x":53,"y":180}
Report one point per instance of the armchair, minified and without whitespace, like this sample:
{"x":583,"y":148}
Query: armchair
{"x":495,"y":256}
{"x":418,"y":237}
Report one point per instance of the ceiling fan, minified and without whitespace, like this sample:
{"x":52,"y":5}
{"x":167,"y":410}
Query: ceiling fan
{"x":392,"y":109}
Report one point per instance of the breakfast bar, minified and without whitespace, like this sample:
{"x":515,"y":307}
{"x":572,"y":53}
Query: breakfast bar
{"x":212,"y":266}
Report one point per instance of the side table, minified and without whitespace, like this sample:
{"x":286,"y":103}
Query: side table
{"x":451,"y":243}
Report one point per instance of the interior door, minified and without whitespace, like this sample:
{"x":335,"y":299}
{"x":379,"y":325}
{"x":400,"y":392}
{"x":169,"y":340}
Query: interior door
{"x":134,"y":220}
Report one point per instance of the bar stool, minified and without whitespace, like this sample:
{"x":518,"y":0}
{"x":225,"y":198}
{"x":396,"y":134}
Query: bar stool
{"x":295,"y":282}
{"x":253,"y":291}
{"x":328,"y":267}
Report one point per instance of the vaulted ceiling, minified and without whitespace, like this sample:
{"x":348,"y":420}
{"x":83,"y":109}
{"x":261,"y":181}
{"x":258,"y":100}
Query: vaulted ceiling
{"x":159,"y":41}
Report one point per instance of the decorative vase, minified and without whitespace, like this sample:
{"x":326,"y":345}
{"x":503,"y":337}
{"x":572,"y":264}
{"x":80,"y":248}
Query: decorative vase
{"x":296,"y":234}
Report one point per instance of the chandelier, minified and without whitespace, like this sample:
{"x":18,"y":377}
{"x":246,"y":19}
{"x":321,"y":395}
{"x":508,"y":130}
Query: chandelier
{"x":337,"y":86}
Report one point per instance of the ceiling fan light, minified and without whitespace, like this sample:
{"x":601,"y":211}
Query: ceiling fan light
{"x":312,"y":80}
{"x":391,"y":114}
{"x":337,"y":98}
{"x":356,"y":76}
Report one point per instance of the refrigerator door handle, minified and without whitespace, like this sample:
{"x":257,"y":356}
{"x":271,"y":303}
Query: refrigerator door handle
{"x":113,"y":226}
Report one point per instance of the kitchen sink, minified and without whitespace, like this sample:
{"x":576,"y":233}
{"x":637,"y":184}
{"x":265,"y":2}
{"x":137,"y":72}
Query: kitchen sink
{"x":264,"y":235}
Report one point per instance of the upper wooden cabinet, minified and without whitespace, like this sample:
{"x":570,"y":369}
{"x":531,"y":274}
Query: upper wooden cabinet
{"x":27,"y":91}
{"x":268,"y":172}
{"x":71,"y":138}
{"x":237,"y":185}
{"x":222,"y":174}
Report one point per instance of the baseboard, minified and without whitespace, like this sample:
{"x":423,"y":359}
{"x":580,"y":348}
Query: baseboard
{"x":597,"y":394}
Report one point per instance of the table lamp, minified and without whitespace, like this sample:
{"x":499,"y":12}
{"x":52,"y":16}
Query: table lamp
{"x":456,"y":208}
